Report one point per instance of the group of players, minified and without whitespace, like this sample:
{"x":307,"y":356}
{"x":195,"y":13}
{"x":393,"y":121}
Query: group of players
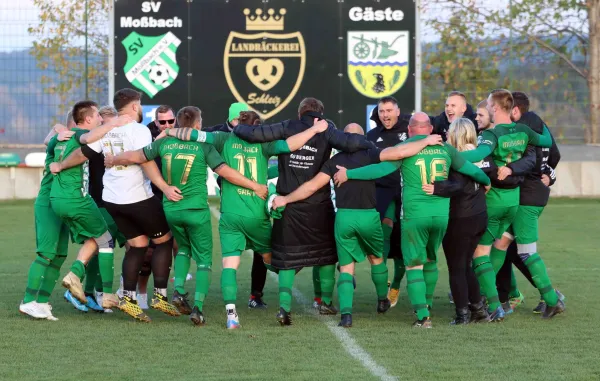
{"x":400,"y":193}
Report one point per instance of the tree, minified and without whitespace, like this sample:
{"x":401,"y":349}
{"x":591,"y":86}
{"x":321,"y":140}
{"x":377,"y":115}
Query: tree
{"x":566,"y":31}
{"x":61,"y":46}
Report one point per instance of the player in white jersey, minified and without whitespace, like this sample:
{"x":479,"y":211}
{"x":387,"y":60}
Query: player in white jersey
{"x":139,"y":215}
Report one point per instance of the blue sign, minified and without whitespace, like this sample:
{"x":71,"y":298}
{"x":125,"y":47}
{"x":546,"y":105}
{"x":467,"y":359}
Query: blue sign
{"x":148,"y":113}
{"x":370,"y":124}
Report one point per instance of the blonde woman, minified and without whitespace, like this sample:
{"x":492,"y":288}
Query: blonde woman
{"x":466,"y":225}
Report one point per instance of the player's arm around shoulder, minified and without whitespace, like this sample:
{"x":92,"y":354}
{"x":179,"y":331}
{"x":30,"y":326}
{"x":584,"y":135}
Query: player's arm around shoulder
{"x":544,"y":140}
{"x":139,"y":156}
{"x":409,"y":148}
{"x":461,"y":165}
{"x":262,"y":133}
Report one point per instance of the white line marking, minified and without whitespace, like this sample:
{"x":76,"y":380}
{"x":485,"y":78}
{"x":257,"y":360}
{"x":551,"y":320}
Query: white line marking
{"x":342,"y":334}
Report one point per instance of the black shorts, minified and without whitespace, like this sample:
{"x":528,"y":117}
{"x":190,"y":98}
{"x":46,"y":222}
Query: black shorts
{"x":141,"y":218}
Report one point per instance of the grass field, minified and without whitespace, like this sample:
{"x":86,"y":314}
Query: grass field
{"x":113,"y":347}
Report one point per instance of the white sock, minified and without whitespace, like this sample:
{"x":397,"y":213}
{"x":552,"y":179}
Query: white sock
{"x":130,"y":294}
{"x":230,"y":308}
{"x":162,"y":291}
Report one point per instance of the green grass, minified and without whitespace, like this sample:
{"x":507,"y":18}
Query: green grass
{"x":95,"y":346}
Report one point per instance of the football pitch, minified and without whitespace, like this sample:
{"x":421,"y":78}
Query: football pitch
{"x":86,"y":346}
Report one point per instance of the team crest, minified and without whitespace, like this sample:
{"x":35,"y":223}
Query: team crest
{"x":378,"y":61}
{"x":151,"y":61}
{"x":265,"y":69}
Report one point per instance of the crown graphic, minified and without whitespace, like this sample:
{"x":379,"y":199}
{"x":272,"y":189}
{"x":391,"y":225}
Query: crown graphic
{"x":262,"y":21}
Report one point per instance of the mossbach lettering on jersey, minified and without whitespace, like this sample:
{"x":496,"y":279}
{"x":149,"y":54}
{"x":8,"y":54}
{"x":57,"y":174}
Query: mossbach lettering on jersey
{"x":309,"y":148}
{"x":245,"y":149}
{"x":432,"y":151}
{"x":265,"y":47}
{"x":245,"y":192}
{"x":192,"y":147}
{"x":151,"y":22}
{"x":513,"y":143}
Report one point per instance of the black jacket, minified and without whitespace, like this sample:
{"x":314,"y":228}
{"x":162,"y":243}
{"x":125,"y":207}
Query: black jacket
{"x":155,"y":131}
{"x":384,"y":138}
{"x":224,"y":127}
{"x":533,"y":190}
{"x":467,"y":197}
{"x":300,"y":166}
{"x":440,"y":123}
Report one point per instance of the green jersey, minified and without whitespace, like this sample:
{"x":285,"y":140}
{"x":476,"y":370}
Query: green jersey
{"x":508,"y":142}
{"x":43,"y":197}
{"x":184,"y":166}
{"x":430,"y":165}
{"x":72,"y":182}
{"x":252,"y":161}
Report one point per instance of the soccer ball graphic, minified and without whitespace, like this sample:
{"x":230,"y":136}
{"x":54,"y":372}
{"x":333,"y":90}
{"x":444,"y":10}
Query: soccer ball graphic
{"x":159,"y":74}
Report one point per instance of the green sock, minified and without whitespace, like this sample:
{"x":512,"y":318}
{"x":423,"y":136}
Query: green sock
{"x":536,"y":266}
{"x":387,"y":232}
{"x":106,"y":261}
{"x":379,"y":276}
{"x":430,"y":274}
{"x":327,"y":278}
{"x":487,"y":280}
{"x":316,"y":278}
{"x":415,"y":284}
{"x":203,"y":277}
{"x":50,"y":279}
{"x":35,"y":277}
{"x":286,"y":283}
{"x":497,"y":257}
{"x":91,"y":275}
{"x":229,"y":286}
{"x":345,"y":292}
{"x":514,"y":288}
{"x":399,"y":270}
{"x":78,"y":268}
{"x":182,"y":266}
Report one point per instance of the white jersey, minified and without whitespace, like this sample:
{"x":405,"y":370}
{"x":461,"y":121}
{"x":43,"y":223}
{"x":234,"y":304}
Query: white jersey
{"x":125,"y":184}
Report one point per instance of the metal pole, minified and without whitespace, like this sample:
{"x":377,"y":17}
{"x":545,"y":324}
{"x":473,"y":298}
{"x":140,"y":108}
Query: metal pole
{"x":86,"y":49}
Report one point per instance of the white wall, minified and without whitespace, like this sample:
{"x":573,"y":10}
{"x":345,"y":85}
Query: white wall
{"x":574,"y":179}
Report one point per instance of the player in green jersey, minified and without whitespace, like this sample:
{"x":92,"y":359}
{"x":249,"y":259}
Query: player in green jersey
{"x":184,"y":165}
{"x":506,"y":142}
{"x":71,"y":202}
{"x":244,"y":223}
{"x":52,"y":239}
{"x":424,"y":217}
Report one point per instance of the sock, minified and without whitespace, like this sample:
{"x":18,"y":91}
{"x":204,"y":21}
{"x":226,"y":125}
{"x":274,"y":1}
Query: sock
{"x":379,"y":276}
{"x":345,"y":292}
{"x":106,"y":262}
{"x":78,"y":268}
{"x":229,"y":286}
{"x":327,"y":278}
{"x":487,"y":280}
{"x":399,"y":270}
{"x":50,"y":279}
{"x":497,"y":257}
{"x":160,"y":291}
{"x":387,"y":233}
{"x":316,"y":278}
{"x":182,"y":266}
{"x":536,"y":265}
{"x":91,"y":275}
{"x":130,"y":294}
{"x":514,"y":288}
{"x":203,"y":278}
{"x":286,"y":283}
{"x":415,"y":284}
{"x":430,"y":274}
{"x":230,"y":308}
{"x":37,"y":270}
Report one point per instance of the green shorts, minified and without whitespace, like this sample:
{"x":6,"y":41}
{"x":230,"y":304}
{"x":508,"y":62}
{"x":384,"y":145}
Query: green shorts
{"x":238,"y":233}
{"x":192,"y":230}
{"x":117,"y":236}
{"x":499,"y":219}
{"x":421,"y":239}
{"x":82,"y":216}
{"x":525,"y":225}
{"x":357,"y":234}
{"x":51,"y":234}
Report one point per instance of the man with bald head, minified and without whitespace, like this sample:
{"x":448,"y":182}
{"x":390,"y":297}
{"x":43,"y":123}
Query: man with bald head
{"x":358,"y":233}
{"x":424,"y":217}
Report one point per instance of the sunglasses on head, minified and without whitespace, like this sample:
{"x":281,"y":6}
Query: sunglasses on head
{"x":170,"y":121}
